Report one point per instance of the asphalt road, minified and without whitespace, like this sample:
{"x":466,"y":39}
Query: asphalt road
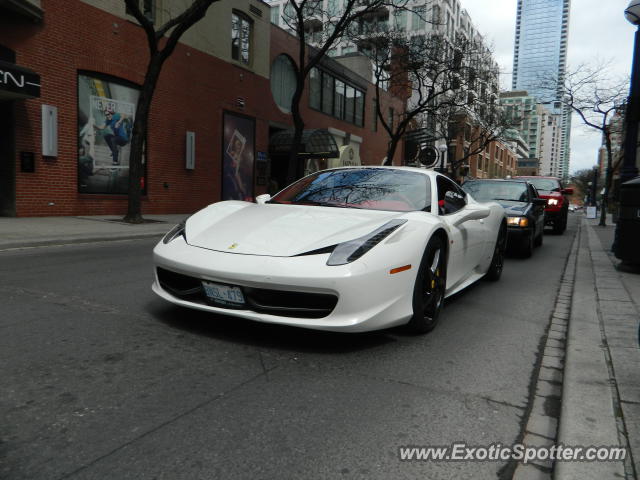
{"x":101,"y":379}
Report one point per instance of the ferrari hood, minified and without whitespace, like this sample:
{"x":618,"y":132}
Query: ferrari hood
{"x":279,"y":230}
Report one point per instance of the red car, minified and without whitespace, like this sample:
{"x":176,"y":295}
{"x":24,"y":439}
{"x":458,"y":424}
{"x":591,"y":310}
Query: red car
{"x":557,"y":209}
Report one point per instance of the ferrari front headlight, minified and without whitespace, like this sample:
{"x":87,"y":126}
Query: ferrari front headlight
{"x":175,"y":232}
{"x":518,"y":221}
{"x":352,"y":250}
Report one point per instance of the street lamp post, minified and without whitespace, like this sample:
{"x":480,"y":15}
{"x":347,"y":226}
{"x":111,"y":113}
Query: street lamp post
{"x":632,"y":116}
{"x":443,"y":151}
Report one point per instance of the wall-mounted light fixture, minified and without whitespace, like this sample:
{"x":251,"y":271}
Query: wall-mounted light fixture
{"x":190,"y":156}
{"x":49,"y":131}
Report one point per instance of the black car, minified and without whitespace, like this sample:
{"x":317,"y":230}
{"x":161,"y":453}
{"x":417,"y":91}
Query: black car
{"x":524,"y":207}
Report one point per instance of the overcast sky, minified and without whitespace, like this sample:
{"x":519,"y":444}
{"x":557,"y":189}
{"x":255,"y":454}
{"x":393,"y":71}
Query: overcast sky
{"x":597,"y":31}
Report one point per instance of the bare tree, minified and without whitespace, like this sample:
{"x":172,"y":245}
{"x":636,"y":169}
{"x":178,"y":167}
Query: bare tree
{"x":324,"y":28}
{"x":161,"y":42}
{"x":451,"y":90}
{"x":470,"y":129}
{"x":582,"y":180}
{"x":595,"y":98}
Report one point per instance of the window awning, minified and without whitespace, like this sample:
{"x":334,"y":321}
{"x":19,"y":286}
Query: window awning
{"x":316,"y":143}
{"x":31,"y":10}
{"x":18,"y":82}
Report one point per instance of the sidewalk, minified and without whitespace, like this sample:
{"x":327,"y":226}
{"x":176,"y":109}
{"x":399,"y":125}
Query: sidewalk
{"x":41,"y":231}
{"x":601,"y":387}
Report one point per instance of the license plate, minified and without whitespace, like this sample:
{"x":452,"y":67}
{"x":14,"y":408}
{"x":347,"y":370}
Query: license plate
{"x":223,"y":294}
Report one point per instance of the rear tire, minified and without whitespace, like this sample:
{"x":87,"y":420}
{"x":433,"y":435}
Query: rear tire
{"x":497,"y":261}
{"x":430,"y":287}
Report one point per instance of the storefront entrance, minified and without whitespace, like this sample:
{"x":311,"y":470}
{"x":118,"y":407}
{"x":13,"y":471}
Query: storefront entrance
{"x":17,"y":84}
{"x":7,"y":160}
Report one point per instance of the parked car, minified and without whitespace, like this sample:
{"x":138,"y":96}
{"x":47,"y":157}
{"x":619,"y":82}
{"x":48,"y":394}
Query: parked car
{"x":349,"y":249}
{"x":523,"y":205}
{"x":557,"y":210}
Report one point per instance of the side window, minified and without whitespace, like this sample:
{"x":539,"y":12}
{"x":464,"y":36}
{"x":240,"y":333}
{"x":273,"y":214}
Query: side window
{"x":450,"y":197}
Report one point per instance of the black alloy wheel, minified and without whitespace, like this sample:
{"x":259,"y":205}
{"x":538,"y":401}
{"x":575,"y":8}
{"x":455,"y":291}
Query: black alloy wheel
{"x":497,"y":261}
{"x":429,"y":289}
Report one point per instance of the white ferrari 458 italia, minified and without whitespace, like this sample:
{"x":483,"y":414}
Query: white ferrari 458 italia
{"x":348,"y":249}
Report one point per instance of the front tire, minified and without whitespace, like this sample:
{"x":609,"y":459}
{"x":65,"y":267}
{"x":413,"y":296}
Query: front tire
{"x":527,"y":246}
{"x":560,"y":225}
{"x":429,"y":289}
{"x":497,"y":261}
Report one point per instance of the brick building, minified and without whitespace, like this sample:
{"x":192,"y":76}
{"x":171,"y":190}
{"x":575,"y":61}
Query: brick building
{"x":69,"y":80}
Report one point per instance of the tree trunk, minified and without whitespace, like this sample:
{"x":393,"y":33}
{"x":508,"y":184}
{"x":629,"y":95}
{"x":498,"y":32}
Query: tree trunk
{"x":293,"y":169}
{"x":391,"y":150}
{"x":140,"y":126}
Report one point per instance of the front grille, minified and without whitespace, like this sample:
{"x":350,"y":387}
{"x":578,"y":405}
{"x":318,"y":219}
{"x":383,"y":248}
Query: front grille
{"x":282,"y":303}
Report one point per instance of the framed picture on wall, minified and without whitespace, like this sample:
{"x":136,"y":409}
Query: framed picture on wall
{"x":238,"y":156}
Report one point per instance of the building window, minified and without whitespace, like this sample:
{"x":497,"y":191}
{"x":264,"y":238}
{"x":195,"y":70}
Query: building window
{"x":418,"y":21}
{"x":148,"y":8}
{"x":338,"y":100}
{"x":275,"y":14}
{"x":315,"y":89}
{"x":335,"y":97}
{"x":283,"y":82}
{"x":400,"y":19}
{"x":327,"y":94}
{"x":240,"y":37}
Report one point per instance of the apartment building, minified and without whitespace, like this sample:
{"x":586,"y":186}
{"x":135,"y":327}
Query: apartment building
{"x":540,"y":128}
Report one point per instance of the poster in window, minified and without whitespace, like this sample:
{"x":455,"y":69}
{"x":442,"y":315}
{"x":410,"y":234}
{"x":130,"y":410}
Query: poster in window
{"x":106,"y":112}
{"x":238,"y":147}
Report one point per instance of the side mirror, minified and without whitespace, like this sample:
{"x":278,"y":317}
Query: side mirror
{"x":476,"y":213}
{"x":541,"y":202}
{"x":567,"y":191}
{"x":262,"y":199}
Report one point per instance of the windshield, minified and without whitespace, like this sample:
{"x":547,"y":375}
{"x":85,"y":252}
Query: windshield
{"x":488,"y":191}
{"x":546,"y":184}
{"x":368,"y":188}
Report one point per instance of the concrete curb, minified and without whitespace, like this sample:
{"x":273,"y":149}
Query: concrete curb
{"x":61,"y":241}
{"x":542,"y":423}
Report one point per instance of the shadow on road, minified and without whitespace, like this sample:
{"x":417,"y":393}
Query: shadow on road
{"x":272,"y":336}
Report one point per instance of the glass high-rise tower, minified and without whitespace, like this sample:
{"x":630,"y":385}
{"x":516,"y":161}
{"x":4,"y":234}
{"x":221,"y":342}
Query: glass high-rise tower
{"x":540,"y":57}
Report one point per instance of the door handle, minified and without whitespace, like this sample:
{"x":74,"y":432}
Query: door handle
{"x":481,"y":221}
